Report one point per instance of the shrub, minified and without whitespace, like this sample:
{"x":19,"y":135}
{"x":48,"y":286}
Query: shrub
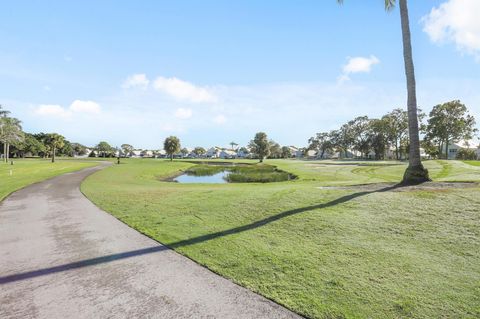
{"x":466,"y":154}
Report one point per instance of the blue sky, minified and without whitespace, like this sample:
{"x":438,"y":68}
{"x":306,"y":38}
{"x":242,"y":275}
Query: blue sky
{"x":215,"y":71}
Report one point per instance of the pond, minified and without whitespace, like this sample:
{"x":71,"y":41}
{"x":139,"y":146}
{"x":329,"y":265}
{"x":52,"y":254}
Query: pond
{"x":238,"y":173}
{"x":217,"y":178}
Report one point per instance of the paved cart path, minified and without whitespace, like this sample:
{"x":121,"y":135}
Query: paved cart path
{"x":62,"y":257}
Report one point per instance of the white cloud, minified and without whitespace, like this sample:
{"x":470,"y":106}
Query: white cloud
{"x":183,"y":114}
{"x":79,"y":106}
{"x":184,"y":91}
{"x":67,"y":58}
{"x":458,"y":22}
{"x":46,"y":88}
{"x":136,"y":81}
{"x":51,"y":110}
{"x":220,"y":119}
{"x":357,"y":65}
{"x":360,"y":64}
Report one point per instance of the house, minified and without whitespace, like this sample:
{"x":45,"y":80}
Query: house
{"x":454,"y":148}
{"x":243,"y":153}
{"x":213,"y":152}
{"x":146,"y":153}
{"x":136,"y":153}
{"x":227,"y":154}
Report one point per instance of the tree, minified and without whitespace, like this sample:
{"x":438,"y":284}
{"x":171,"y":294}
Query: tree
{"x":378,"y":137}
{"x":67,"y":149}
{"x":55,"y":141}
{"x":233,"y":144}
{"x":29,"y":145}
{"x":10,"y":133}
{"x":342,"y":139}
{"x":104,"y":149}
{"x":275,"y":149}
{"x":260,"y":146}
{"x":127,"y":149}
{"x":286,"y":152}
{"x":79,"y":149}
{"x":466,"y":154}
{"x":359,"y":129}
{"x":171,"y":145}
{"x":322,"y":143}
{"x":415,"y":173}
{"x":184,"y":152}
{"x":450,"y":122}
{"x":199,"y":151}
{"x":397,"y":129}
{"x":3,"y":112}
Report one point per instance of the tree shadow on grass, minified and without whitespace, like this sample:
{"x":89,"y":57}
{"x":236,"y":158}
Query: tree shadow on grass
{"x":186,"y":242}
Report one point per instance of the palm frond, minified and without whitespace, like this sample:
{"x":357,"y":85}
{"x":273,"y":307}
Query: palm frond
{"x":390,"y":4}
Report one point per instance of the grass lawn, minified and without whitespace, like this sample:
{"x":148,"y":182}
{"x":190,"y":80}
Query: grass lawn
{"x":474,"y":163}
{"x":28,"y":171}
{"x":324,"y":252}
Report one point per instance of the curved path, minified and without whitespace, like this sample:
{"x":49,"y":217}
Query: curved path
{"x":62,"y":257}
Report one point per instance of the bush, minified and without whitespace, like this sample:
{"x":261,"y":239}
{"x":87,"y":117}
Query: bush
{"x":466,"y":154}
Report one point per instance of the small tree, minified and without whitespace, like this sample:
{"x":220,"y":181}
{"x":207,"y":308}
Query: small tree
{"x":286,"y":152}
{"x":104,"y":149}
{"x":171,"y":145}
{"x":184,"y":152}
{"x":55,"y":141}
{"x":127,"y":149}
{"x":260,"y":146}
{"x":466,"y":154}
{"x":322,"y":143}
{"x":199,"y":151}
{"x":450,"y":122}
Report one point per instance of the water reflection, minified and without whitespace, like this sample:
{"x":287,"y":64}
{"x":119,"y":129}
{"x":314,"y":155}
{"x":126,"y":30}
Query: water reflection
{"x":218,"y":178}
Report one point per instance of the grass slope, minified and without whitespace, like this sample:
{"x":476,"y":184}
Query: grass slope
{"x":28,"y":171}
{"x":347,"y":252}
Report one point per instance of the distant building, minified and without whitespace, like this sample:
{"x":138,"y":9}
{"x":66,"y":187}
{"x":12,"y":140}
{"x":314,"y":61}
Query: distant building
{"x":454,"y":148}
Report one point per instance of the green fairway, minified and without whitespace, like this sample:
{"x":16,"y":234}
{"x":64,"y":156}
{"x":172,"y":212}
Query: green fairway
{"x":364,"y":251}
{"x":28,"y":171}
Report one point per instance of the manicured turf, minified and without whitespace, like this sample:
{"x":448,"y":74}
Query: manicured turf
{"x":474,"y":163}
{"x":354,"y":252}
{"x":28,"y":171}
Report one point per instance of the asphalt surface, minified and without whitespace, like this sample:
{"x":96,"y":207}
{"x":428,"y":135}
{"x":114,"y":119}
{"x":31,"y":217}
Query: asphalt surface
{"x":62,"y":257}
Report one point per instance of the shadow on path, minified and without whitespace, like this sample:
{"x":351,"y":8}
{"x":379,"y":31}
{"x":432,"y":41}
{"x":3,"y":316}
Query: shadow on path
{"x":186,"y":242}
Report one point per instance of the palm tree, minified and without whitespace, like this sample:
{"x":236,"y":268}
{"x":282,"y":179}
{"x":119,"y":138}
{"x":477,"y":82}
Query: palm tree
{"x":233,"y":144}
{"x":10,"y":132}
{"x":55,"y":141}
{"x":415,"y":173}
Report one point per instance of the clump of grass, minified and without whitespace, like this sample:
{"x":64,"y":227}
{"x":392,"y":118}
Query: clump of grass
{"x":254,"y":177}
{"x":205,"y":170}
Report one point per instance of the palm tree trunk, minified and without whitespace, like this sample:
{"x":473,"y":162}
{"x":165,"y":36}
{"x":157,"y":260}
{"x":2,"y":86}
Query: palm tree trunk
{"x":53,"y":155}
{"x":415,"y":172}
{"x":7,"y":154}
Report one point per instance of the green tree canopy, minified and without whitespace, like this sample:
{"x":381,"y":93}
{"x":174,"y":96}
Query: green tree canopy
{"x":55,"y":141}
{"x":127,"y":149}
{"x":171,"y":145}
{"x":104,"y":149}
{"x":260,"y":146}
{"x":449,"y":123}
{"x":199,"y":151}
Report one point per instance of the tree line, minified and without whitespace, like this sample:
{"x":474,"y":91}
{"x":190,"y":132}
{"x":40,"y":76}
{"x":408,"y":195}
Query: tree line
{"x":17,"y":143}
{"x":447,"y":123}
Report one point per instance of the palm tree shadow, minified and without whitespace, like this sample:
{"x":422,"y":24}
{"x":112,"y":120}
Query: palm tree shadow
{"x":187,"y":242}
